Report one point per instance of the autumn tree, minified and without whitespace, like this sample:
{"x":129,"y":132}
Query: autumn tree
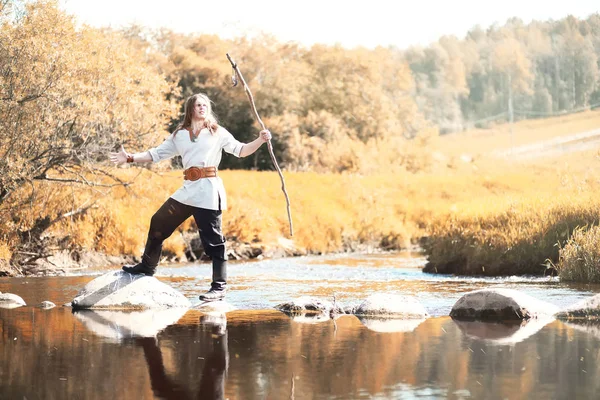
{"x":67,"y":97}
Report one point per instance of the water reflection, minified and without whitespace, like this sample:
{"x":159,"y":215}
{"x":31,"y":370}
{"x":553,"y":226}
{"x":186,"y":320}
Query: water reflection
{"x":212,"y":380}
{"x":507,"y":332}
{"x":390,"y":325}
{"x":119,"y":325}
{"x":265,"y":354}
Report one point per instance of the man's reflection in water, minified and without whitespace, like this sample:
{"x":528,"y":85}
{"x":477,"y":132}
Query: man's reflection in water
{"x":212,"y":383}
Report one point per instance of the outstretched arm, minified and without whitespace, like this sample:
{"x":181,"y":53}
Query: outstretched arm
{"x":123,"y":157}
{"x":250,"y":148}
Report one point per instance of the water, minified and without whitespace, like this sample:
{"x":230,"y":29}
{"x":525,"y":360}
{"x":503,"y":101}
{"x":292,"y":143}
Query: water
{"x":259,"y":353}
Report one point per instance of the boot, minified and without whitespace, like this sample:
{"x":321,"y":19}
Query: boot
{"x":213,"y":295}
{"x":219,"y":282}
{"x":140,"y":269}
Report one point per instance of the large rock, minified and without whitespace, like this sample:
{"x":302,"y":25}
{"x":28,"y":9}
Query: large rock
{"x":501,"y":305}
{"x":585,"y":309}
{"x":501,"y":333}
{"x":119,"y":325}
{"x":387,"y":305}
{"x":9,"y":300}
{"x":306,"y":304}
{"x":120,"y":290}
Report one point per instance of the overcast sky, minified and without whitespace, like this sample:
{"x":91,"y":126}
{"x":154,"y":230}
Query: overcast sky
{"x":349,"y":23}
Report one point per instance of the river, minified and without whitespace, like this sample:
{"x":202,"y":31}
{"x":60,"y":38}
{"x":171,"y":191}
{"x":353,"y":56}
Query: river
{"x":260,"y":353}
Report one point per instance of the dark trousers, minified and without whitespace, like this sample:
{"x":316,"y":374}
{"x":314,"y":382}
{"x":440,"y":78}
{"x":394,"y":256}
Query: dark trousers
{"x":172,"y":214}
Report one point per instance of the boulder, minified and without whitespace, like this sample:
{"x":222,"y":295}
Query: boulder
{"x":9,"y":300}
{"x":119,"y":325}
{"x":388,"y":305}
{"x":307,"y":304}
{"x":501,"y":305}
{"x":119,"y":290}
{"x":585,"y":309}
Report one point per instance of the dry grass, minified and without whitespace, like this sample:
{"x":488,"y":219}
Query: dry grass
{"x":579,"y":259}
{"x":487,"y":216}
{"x":482,"y":141}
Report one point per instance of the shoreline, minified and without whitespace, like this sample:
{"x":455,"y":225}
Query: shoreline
{"x":62,"y":262}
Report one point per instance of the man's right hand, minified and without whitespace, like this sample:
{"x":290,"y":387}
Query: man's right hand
{"x":119,"y":157}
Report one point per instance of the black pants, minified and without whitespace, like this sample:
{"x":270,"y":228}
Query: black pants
{"x":172,"y":214}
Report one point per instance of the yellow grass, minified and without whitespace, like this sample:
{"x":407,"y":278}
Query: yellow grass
{"x":511,"y":207}
{"x":579,"y":259}
{"x":487,"y":216}
{"x":482,"y":141}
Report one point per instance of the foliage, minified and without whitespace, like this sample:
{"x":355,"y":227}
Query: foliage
{"x":67,"y":97}
{"x":545,"y":68}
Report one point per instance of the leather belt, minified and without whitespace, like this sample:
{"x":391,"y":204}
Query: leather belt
{"x":195,"y":173}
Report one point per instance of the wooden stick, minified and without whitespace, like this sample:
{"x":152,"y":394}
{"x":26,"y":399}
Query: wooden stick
{"x":269,"y":145}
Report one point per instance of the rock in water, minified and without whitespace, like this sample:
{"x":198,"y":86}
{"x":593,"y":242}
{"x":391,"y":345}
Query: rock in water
{"x":501,"y":305}
{"x":307,"y":304}
{"x":9,"y":300}
{"x":388,"y":305}
{"x":119,"y":290}
{"x":586,"y":309}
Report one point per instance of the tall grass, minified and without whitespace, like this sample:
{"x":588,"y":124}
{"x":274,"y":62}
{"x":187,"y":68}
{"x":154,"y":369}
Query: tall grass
{"x":483,"y":216}
{"x":518,"y":238}
{"x":579,"y":258}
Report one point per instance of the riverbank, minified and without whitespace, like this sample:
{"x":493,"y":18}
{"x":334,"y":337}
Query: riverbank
{"x":473,"y":214}
{"x":474,"y":220}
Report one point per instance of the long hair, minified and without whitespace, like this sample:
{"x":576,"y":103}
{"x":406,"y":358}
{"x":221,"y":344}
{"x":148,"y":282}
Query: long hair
{"x":211,"y":122}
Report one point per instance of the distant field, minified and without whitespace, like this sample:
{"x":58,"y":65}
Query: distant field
{"x":477,"y":142}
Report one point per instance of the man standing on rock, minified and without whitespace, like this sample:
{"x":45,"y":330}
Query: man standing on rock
{"x":199,"y":140}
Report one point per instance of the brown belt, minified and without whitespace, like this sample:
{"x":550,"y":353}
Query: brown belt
{"x":195,"y":173}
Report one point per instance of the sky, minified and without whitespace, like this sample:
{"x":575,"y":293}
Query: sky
{"x":349,"y":23}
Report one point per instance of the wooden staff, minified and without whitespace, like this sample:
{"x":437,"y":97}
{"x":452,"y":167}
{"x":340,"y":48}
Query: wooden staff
{"x":269,"y":145}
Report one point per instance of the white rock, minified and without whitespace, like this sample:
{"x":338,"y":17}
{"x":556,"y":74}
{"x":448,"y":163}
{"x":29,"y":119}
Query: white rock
{"x":387,"y":325}
{"x":120,"y":290}
{"x":501,"y":304}
{"x":118,"y":325}
{"x":585,"y":309}
{"x":47,"y":304}
{"x":9,"y":300}
{"x":309,"y":304}
{"x":390,"y":305}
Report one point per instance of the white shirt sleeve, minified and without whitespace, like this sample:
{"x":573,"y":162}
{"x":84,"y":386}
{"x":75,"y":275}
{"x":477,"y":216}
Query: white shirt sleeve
{"x":164,"y":151}
{"x":230,"y":144}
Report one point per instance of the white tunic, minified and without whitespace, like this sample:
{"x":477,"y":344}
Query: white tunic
{"x":206,"y":151}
